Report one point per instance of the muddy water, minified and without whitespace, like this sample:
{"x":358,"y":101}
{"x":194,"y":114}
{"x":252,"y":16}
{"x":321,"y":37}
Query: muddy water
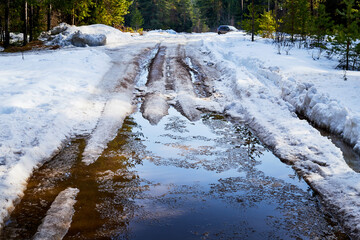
{"x":351,"y":157}
{"x":210,"y":179}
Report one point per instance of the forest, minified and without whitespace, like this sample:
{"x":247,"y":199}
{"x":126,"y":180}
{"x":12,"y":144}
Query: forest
{"x":310,"y":23}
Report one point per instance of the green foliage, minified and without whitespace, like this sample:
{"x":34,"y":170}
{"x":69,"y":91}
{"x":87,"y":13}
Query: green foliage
{"x":267,"y":24}
{"x":83,"y":9}
{"x":174,"y":14}
{"x":211,"y":11}
{"x":199,"y":24}
{"x":321,"y":25}
{"x":247,"y":23}
{"x":110,"y":12}
{"x":297,"y":18}
{"x":346,"y":34}
{"x":136,"y":19}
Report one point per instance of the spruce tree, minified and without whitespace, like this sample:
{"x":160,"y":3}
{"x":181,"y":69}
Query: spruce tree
{"x":267,"y":24}
{"x":321,"y":26}
{"x":346,"y":34}
{"x":136,"y":19}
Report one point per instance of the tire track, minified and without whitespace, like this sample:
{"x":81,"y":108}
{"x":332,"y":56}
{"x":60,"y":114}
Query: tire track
{"x":155,"y":105}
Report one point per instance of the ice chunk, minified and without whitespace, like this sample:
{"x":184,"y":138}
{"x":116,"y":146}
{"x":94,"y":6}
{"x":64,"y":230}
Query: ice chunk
{"x":58,"y":219}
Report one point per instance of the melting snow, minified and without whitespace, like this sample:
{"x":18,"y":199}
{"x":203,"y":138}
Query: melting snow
{"x":57,"y":221}
{"x":48,"y":97}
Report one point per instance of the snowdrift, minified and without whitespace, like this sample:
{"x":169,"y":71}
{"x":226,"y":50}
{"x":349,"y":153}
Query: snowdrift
{"x":45,"y":99}
{"x":169,"y":31}
{"x":266,"y":90}
{"x":82,"y":36}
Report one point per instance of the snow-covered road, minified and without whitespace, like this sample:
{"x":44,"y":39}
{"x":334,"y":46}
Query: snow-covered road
{"x":50,"y":97}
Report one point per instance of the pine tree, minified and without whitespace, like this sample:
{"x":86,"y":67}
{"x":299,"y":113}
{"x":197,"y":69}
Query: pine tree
{"x":267,"y":24}
{"x":151,"y":12}
{"x":136,"y":19}
{"x":251,"y":23}
{"x":346,"y":34}
{"x":321,"y":25}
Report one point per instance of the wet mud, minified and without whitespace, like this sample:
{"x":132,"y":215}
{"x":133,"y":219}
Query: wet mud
{"x":209,"y":179}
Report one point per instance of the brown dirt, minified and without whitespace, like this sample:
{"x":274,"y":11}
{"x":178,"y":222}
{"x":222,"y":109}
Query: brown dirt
{"x":32,"y":46}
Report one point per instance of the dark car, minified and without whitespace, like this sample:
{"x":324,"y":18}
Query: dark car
{"x":225,"y":29}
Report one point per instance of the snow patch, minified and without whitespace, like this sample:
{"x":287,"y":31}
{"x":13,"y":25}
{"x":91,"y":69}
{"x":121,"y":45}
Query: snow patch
{"x":114,"y":114}
{"x":155,"y":107}
{"x":267,"y":98}
{"x":58,"y":218}
{"x":169,"y":31}
{"x":45,"y":99}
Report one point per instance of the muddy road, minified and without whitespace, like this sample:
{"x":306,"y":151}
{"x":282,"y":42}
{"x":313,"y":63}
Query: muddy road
{"x":175,"y":168}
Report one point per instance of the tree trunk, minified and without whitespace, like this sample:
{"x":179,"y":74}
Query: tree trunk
{"x":347,"y":54}
{"x":25,"y":22}
{"x":1,"y":31}
{"x":7,"y":24}
{"x":73,"y":17}
{"x":252,"y":21}
{"x":49,"y":17}
{"x":277,"y":37}
{"x":292,"y":20}
{"x":229,"y":14}
{"x":31,"y":21}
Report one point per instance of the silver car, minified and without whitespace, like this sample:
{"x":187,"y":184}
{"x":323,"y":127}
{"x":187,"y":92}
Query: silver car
{"x":222,"y":29}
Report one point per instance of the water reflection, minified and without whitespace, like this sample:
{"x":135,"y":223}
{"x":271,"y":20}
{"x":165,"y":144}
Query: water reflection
{"x":43,"y":187}
{"x":108,"y":188}
{"x":351,"y":157}
{"x":210,"y":179}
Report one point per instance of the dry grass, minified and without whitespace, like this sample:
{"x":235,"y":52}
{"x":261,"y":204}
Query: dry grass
{"x":34,"y":45}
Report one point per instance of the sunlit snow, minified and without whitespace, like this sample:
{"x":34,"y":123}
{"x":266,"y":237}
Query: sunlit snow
{"x":51,"y":96}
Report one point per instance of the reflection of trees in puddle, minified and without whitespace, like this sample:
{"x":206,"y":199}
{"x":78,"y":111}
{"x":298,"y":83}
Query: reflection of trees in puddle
{"x":224,"y":145}
{"x":113,"y":196}
{"x":176,"y":124}
{"x":108,"y":188}
{"x":124,"y":197}
{"x":299,"y":217}
{"x":43,"y":187}
{"x":238,"y":135}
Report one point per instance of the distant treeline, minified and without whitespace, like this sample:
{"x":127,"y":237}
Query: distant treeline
{"x":180,"y":15}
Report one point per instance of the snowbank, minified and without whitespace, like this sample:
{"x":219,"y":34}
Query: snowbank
{"x":16,"y":37}
{"x":92,"y":35}
{"x":313,"y":88}
{"x":266,"y":90}
{"x":169,"y":31}
{"x":45,"y":99}
{"x":114,"y":114}
{"x":324,"y":111}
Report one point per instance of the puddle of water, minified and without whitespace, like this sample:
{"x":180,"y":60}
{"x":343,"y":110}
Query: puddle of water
{"x":209,"y":179}
{"x":43,"y":187}
{"x":351,"y":158}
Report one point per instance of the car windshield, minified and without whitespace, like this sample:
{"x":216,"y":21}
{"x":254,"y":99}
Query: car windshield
{"x":232,"y":28}
{"x":224,"y":28}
